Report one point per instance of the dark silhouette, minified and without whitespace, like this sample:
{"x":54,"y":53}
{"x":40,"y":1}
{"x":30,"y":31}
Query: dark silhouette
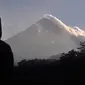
{"x":6,"y":58}
{"x":70,"y":66}
{"x":0,"y":29}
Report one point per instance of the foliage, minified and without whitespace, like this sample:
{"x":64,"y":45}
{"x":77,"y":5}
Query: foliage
{"x":70,"y":66}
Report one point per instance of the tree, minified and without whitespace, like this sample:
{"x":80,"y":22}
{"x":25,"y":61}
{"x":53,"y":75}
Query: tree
{"x":82,"y":47}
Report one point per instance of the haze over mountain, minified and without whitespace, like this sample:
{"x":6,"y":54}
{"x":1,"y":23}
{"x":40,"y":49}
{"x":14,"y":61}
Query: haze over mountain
{"x":46,"y":37}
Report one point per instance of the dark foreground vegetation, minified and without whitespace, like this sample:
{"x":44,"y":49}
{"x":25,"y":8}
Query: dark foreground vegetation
{"x":70,"y":66}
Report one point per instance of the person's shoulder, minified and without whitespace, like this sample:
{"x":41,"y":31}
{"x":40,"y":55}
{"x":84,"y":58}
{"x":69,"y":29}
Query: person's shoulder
{"x":2,"y":43}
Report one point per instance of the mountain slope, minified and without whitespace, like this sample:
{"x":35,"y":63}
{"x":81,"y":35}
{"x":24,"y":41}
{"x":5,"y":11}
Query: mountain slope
{"x":48,"y":36}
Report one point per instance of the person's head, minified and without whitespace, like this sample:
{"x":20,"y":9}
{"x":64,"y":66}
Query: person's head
{"x":0,"y":28}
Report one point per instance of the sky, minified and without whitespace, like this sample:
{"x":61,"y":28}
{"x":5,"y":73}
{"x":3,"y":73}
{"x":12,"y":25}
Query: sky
{"x":17,"y":15}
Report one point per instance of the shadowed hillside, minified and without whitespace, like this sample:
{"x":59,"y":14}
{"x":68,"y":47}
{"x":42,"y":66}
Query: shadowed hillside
{"x":70,"y":66}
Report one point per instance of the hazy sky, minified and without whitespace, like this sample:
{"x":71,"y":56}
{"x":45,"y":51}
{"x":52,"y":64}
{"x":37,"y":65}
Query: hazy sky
{"x":17,"y":15}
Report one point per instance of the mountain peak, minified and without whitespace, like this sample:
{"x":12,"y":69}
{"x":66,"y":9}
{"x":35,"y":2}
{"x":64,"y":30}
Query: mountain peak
{"x":54,"y":19}
{"x":48,"y":15}
{"x":76,"y":31}
{"x":46,"y":37}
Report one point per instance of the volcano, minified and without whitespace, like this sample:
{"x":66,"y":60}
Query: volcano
{"x":46,"y":37}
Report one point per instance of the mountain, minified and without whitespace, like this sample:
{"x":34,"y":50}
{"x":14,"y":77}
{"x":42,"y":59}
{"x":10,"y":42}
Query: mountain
{"x":57,"y":57}
{"x":46,"y":37}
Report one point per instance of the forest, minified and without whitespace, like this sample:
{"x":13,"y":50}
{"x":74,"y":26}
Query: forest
{"x":70,"y":66}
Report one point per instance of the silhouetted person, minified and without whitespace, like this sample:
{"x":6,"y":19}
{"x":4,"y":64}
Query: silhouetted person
{"x":6,"y":58}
